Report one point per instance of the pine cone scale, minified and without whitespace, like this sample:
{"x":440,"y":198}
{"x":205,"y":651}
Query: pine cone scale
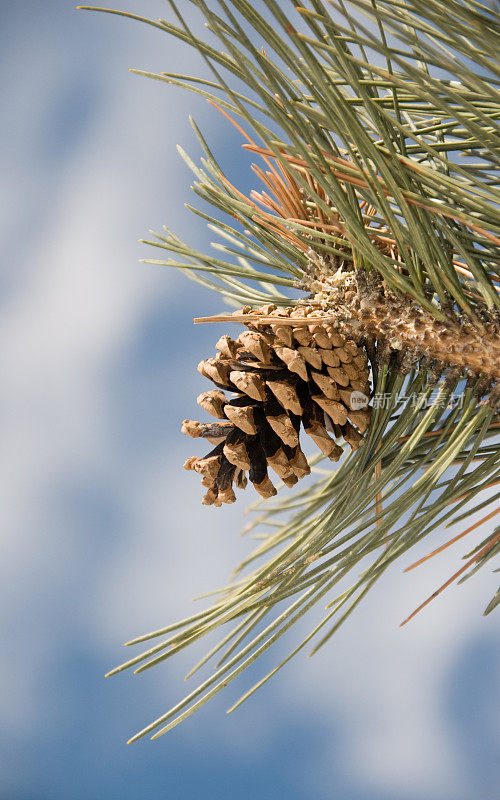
{"x":282,"y":376}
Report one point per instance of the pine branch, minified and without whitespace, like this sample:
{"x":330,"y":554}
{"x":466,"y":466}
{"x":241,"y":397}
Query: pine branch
{"x":376,"y":126}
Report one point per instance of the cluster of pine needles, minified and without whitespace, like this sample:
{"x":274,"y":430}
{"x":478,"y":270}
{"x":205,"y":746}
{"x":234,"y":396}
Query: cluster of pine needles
{"x":376,"y":123}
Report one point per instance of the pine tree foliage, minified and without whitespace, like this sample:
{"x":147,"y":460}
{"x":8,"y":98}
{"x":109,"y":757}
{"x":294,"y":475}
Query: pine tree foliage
{"x":375,"y":129}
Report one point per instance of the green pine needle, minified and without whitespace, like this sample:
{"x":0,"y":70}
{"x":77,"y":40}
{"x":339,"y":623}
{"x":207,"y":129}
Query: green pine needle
{"x":387,"y":105}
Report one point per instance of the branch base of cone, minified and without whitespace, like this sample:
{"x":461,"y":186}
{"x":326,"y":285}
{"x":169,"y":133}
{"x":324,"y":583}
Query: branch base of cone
{"x":364,"y":304}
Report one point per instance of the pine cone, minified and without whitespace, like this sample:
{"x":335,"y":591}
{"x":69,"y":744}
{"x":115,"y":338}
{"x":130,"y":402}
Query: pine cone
{"x":281,"y":374}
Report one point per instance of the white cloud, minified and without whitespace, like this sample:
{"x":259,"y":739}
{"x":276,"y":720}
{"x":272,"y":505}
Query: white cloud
{"x":77,"y":300}
{"x":77,"y":303}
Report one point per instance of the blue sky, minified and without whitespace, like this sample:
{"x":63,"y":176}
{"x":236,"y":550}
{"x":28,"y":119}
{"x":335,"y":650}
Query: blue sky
{"x":104,"y":535}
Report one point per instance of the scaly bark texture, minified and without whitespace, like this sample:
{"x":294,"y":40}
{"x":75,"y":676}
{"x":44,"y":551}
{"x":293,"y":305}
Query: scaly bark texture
{"x":363,"y":304}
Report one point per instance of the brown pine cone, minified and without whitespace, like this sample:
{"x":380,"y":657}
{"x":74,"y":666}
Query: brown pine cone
{"x":281,"y":374}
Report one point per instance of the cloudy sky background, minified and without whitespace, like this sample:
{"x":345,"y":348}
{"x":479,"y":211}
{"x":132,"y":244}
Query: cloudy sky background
{"x":104,"y":537}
